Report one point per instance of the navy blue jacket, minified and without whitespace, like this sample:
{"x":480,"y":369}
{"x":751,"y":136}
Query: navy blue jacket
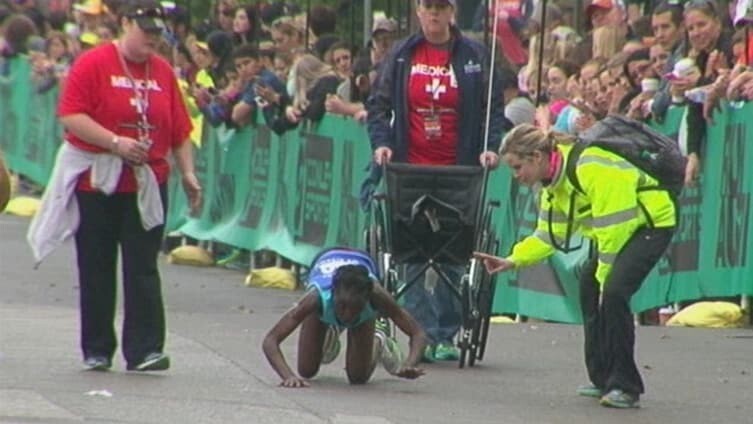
{"x":388,"y":100}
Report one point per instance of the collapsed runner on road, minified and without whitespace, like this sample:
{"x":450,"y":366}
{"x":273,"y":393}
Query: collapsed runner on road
{"x":342,"y":293}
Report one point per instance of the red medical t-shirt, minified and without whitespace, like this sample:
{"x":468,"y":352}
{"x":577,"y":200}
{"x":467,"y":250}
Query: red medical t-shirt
{"x":432,"y":84}
{"x":98,"y":86}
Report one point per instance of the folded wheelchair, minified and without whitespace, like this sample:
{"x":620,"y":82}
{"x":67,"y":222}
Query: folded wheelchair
{"x":432,"y":215}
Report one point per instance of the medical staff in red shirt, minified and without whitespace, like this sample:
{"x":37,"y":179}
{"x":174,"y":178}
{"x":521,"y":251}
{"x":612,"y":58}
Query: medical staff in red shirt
{"x":123,"y":114}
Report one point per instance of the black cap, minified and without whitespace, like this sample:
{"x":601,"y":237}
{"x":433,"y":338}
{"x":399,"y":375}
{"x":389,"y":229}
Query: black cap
{"x":148,"y":14}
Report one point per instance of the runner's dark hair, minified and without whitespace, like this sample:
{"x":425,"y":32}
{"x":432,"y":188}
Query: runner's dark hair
{"x":352,"y":283}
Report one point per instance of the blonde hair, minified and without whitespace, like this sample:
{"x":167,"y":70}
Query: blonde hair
{"x":607,"y":41}
{"x":525,"y":139}
{"x":565,"y":46}
{"x":308,"y":70}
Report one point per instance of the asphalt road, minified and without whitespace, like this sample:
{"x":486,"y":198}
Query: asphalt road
{"x":219,"y":374}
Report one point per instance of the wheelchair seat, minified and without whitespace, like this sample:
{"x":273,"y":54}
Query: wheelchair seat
{"x":431,"y":216}
{"x":433,"y":212}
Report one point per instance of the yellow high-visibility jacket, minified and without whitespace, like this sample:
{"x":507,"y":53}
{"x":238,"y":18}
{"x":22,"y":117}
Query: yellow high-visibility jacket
{"x":610,"y":209}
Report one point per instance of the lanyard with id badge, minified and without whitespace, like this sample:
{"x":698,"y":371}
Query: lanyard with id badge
{"x":432,"y":116}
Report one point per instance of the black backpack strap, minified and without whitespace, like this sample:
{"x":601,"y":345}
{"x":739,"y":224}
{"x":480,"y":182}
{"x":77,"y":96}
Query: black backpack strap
{"x":572,"y":164}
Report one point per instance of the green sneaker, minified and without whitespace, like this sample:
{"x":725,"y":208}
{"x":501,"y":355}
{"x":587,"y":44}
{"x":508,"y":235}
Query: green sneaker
{"x":589,"y":390}
{"x":382,"y":326}
{"x":446,"y":352}
{"x":331,"y":345}
{"x":389,"y":353}
{"x":619,"y":399}
{"x":428,"y":355}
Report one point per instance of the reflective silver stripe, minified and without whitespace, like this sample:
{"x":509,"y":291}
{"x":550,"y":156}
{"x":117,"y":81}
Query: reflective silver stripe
{"x":547,"y":238}
{"x":621,"y":164}
{"x":607,"y":258}
{"x":557,"y":217}
{"x":615,"y":218}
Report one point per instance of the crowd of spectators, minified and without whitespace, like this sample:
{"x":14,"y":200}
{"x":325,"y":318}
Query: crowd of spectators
{"x":247,"y":63}
{"x":274,"y":64}
{"x":637,"y":59}
{"x":246,"y":58}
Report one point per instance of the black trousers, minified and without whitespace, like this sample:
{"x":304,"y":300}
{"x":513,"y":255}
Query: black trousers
{"x":609,"y":328}
{"x":109,"y":222}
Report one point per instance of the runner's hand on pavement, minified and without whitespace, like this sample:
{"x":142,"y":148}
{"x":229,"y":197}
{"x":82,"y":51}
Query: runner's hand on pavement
{"x":410,"y":373}
{"x":294,"y":382}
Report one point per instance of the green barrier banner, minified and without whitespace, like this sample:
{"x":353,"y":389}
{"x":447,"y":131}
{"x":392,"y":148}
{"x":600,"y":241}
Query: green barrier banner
{"x":298,"y":193}
{"x":29,"y":130}
{"x":293,"y":194}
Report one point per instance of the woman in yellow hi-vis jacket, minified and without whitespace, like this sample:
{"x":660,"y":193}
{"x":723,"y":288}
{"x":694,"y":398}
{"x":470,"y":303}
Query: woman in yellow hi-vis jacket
{"x":630,"y":227}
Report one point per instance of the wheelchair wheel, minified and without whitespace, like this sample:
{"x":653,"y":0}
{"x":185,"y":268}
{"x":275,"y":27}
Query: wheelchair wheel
{"x":374,"y":246}
{"x":486,"y":301}
{"x":466,"y":328}
{"x":480,"y":323}
{"x":471,"y":325}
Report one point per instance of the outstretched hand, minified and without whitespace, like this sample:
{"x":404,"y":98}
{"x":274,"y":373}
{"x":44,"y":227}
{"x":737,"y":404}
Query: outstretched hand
{"x":410,"y":373}
{"x":294,"y":382}
{"x":494,"y":264}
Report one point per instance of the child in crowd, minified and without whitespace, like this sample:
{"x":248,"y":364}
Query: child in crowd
{"x":217,"y":104}
{"x":252,"y":73}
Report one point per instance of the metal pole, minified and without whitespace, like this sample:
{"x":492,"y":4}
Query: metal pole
{"x":542,"y":31}
{"x":353,"y":24}
{"x":487,"y":31}
{"x":308,"y":25}
{"x":367,"y":17}
{"x":407,"y":17}
{"x":492,"y":67}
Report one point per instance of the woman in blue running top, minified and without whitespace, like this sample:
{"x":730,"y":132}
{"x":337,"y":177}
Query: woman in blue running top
{"x":342,"y":294}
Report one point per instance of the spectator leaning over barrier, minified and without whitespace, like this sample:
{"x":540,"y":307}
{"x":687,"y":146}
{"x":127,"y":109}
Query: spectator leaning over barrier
{"x":123,"y":113}
{"x":18,"y":29}
{"x":733,"y":85}
{"x":315,"y":81}
{"x":630,"y":227}
{"x":345,"y":101}
{"x":217,"y":105}
{"x":709,"y":47}
{"x":428,"y":106}
{"x":254,"y":77}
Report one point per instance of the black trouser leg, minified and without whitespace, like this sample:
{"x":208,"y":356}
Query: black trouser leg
{"x":144,"y":317}
{"x":631,"y":267}
{"x":96,"y":250}
{"x":592,"y":325}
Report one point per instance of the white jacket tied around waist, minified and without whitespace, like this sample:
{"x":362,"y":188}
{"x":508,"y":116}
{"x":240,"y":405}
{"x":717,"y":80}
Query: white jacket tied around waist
{"x":58,"y":216}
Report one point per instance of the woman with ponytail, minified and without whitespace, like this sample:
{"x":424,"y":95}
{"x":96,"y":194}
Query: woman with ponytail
{"x":629,"y":225}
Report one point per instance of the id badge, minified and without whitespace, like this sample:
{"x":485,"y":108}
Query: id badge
{"x":432,"y":126}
